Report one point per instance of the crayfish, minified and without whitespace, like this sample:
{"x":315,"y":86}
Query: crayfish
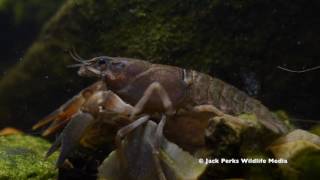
{"x":130,"y":92}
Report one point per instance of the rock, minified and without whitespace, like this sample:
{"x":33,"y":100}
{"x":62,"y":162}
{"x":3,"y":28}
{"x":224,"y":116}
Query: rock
{"x":9,"y":131}
{"x":21,"y":22}
{"x":301,"y":150}
{"x":236,"y":140}
{"x":225,"y":133}
{"x":284,"y":117}
{"x":315,"y":130}
{"x":22,"y":157}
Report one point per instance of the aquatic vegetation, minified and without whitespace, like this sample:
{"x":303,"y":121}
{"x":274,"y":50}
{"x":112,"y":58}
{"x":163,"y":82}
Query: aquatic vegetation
{"x":21,"y":21}
{"x":22,"y":157}
{"x":302,"y":151}
{"x":21,"y":10}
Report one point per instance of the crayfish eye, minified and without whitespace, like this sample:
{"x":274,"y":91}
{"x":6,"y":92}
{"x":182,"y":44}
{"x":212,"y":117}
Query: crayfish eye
{"x":102,"y":61}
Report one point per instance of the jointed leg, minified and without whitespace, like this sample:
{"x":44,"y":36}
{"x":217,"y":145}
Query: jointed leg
{"x":157,"y":87}
{"x":125,"y":131}
{"x":156,"y":148}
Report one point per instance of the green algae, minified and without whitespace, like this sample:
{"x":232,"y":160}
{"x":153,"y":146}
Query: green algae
{"x":22,"y":157}
{"x":20,"y":10}
{"x":302,"y":151}
{"x":315,"y":130}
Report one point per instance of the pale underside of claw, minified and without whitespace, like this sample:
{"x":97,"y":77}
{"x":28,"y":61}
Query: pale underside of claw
{"x":176,"y":163}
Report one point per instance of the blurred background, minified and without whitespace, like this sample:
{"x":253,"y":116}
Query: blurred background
{"x":241,"y":42}
{"x":21,"y":21}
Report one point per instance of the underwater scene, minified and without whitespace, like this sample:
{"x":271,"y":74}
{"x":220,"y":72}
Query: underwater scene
{"x":157,"y":90}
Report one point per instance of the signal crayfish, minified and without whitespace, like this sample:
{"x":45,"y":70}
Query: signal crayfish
{"x":130,"y":93}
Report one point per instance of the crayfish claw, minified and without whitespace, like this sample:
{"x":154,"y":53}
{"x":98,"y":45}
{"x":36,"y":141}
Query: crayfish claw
{"x":70,"y":136}
{"x":60,"y":117}
{"x":54,"y":146}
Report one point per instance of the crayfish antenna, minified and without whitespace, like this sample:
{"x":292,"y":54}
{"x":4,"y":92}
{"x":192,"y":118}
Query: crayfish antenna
{"x":73,"y":53}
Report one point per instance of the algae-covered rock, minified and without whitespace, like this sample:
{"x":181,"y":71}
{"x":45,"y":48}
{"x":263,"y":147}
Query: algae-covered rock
{"x":22,"y":157}
{"x":20,"y":10}
{"x":245,"y":132}
{"x":302,"y":151}
{"x":242,"y":138}
{"x":315,"y":130}
{"x":293,"y":156}
{"x":284,"y":117}
{"x":230,"y":139}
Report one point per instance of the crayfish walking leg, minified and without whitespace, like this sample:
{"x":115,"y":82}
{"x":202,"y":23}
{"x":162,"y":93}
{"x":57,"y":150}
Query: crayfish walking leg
{"x":154,"y":87}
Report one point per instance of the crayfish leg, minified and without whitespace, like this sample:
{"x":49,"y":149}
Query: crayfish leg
{"x":156,"y":148}
{"x":163,"y":94}
{"x":125,"y":131}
